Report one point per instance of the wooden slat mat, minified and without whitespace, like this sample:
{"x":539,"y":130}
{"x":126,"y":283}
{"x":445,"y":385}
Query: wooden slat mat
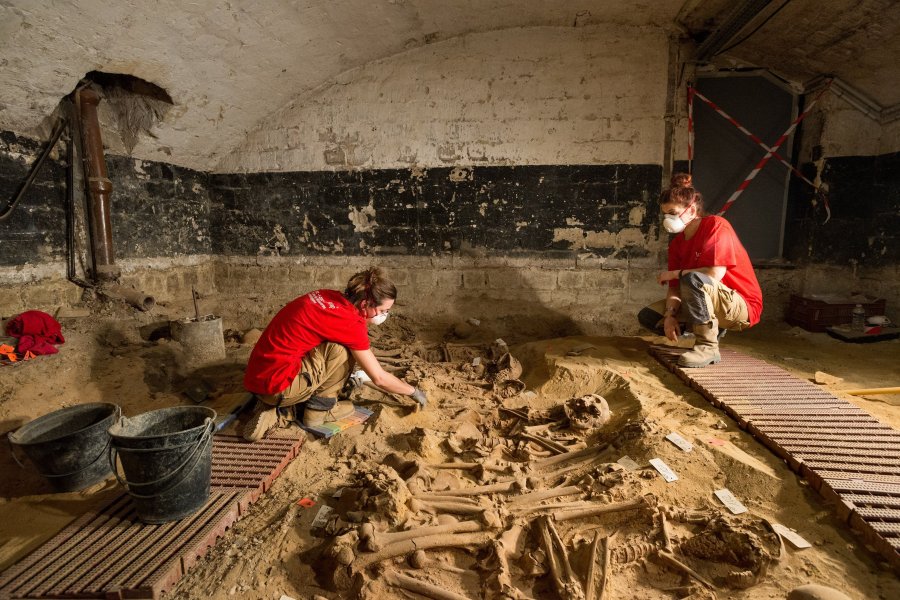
{"x":108,"y":553}
{"x":843,"y":452}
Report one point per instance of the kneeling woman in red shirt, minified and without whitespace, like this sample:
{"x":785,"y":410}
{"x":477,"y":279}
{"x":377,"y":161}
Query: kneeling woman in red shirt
{"x":711,"y":282}
{"x":304,"y":353}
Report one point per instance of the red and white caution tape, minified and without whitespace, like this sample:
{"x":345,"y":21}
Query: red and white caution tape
{"x":771,"y":152}
{"x":690,"y":103}
{"x":753,"y":137}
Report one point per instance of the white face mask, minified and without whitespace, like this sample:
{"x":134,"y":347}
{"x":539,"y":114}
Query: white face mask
{"x":379,"y":319}
{"x":673,"y":224}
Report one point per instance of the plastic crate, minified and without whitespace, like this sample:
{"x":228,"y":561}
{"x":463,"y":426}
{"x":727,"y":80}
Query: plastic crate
{"x":817,"y":314}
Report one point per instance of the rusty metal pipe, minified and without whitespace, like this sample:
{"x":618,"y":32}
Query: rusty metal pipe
{"x":136,"y":298}
{"x":99,"y":185}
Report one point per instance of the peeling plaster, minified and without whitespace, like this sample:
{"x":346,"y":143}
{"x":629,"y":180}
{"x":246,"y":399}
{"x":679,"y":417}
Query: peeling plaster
{"x":579,"y":238}
{"x":363,"y":219}
{"x":636,"y":215}
{"x":461,"y":174}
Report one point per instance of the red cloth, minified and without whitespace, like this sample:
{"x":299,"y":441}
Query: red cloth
{"x":715,"y":244}
{"x":319,"y":316}
{"x":37,"y":331}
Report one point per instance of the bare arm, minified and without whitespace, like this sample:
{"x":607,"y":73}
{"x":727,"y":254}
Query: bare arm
{"x":380,"y":378}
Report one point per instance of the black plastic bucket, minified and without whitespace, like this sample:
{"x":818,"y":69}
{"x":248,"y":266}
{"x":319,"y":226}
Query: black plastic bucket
{"x":68,"y":446}
{"x":166,"y":457}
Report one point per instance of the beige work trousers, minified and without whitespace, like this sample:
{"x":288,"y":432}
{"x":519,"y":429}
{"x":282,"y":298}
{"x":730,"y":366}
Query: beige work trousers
{"x":728,"y":307}
{"x":323,"y":372}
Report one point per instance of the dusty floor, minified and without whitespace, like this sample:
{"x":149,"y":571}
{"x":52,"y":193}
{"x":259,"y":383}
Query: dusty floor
{"x":272,"y":551}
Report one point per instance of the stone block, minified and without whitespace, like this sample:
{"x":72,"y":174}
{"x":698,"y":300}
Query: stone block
{"x":10,"y":300}
{"x":538,"y":279}
{"x":502,"y":278}
{"x":474,"y":280}
{"x":425,"y":281}
{"x":605,"y":279}
{"x":570,"y":279}
{"x":400,"y":277}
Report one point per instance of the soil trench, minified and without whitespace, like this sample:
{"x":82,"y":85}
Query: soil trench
{"x":527,"y":476}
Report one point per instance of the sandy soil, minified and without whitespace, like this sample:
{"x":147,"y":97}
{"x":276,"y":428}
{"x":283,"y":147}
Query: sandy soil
{"x":273,"y":552}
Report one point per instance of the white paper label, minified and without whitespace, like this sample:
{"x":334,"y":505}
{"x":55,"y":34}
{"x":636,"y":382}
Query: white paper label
{"x":628,"y":463}
{"x":732,"y":503}
{"x":664,"y":470}
{"x":790,"y":535}
{"x":679,"y":441}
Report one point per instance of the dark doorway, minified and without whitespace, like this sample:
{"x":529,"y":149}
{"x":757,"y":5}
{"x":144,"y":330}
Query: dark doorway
{"x":724,"y":156}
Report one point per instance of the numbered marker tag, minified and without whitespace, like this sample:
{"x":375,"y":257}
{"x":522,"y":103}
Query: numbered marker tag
{"x":664,"y":470}
{"x":790,"y":535}
{"x":679,"y":441}
{"x":628,"y":463}
{"x":732,"y":503}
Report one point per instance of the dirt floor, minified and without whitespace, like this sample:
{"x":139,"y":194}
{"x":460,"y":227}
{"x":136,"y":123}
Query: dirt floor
{"x":478,"y":412}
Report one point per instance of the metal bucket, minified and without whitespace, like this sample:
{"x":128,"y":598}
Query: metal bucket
{"x":166,"y":457}
{"x":68,"y":446}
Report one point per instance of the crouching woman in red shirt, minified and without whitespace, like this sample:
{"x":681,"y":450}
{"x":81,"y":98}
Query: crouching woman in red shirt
{"x":711,"y":283}
{"x":304,"y":355}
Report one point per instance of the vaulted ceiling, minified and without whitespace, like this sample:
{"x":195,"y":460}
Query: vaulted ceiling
{"x":227,"y":65}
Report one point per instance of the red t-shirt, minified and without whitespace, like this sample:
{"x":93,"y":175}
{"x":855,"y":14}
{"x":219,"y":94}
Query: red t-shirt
{"x":319,"y":316}
{"x":715,"y":244}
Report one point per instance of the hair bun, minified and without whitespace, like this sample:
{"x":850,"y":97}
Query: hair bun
{"x":682,"y":180}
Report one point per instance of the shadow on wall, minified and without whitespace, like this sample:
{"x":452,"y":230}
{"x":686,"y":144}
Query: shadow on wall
{"x":505,"y":305}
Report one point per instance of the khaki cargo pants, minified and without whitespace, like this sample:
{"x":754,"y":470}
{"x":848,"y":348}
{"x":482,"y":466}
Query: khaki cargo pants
{"x":323,"y":372}
{"x":702,"y":298}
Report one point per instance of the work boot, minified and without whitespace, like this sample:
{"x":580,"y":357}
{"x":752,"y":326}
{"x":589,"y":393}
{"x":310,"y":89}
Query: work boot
{"x":263,"y":420}
{"x":341,"y":409}
{"x":706,"y":346}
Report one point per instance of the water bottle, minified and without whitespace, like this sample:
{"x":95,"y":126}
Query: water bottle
{"x":858,"y":318}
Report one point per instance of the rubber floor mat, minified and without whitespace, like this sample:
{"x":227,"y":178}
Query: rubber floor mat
{"x":110,"y":554}
{"x":846,"y":454}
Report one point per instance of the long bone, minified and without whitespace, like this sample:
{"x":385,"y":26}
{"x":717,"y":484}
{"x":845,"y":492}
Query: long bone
{"x":577,"y":454}
{"x":420,"y":560}
{"x":401,"y":548}
{"x":664,"y":528}
{"x":504,"y":547}
{"x":567,"y":584}
{"x":453,"y":508}
{"x":411,"y":584}
{"x":600,"y":549}
{"x":553,"y":508}
{"x":533,"y":497}
{"x":494,"y":488}
{"x":545,"y":442}
{"x":439,"y":497}
{"x":669,"y":559}
{"x":373,"y":540}
{"x":467,"y":466}
{"x":578,"y":513}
